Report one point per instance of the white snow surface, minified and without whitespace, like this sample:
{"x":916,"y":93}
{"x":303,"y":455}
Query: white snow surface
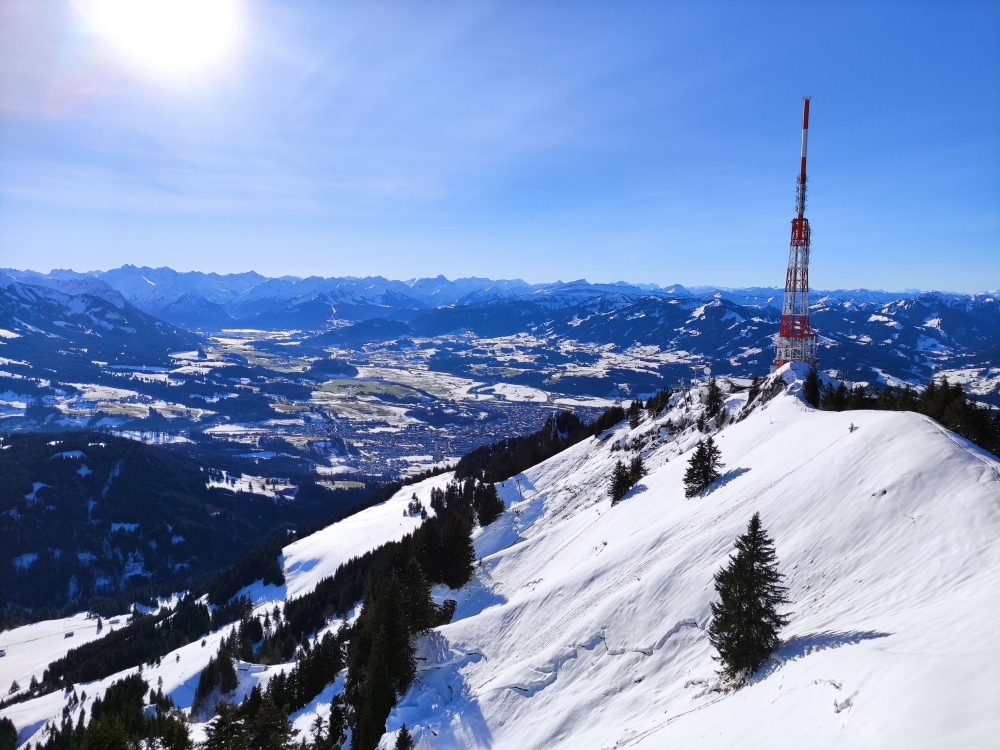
{"x":30,"y":648}
{"x":310,"y":560}
{"x":586,"y":625}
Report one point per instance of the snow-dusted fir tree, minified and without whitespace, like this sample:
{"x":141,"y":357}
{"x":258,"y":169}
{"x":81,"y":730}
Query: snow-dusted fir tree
{"x":703,"y":468}
{"x":745,"y":622}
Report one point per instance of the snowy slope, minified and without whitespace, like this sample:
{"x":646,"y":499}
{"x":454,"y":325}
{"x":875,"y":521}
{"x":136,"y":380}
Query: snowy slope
{"x":305,"y":563}
{"x":30,"y":648}
{"x":585,"y":625}
{"x":589,"y":630}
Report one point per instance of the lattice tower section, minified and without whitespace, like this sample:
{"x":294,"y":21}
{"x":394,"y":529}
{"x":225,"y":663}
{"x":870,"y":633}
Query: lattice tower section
{"x":796,"y":339}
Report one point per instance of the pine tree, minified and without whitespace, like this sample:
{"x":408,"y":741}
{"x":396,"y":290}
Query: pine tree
{"x":487,"y":503}
{"x":754,"y":389}
{"x":634,"y":414}
{"x":404,"y":740}
{"x":713,"y":398}
{"x":418,"y":607}
{"x":703,"y":468}
{"x":636,"y":470}
{"x":620,"y":482}
{"x":745,"y":622}
{"x":270,"y":729}
{"x":8,"y":735}
{"x":106,"y":734}
{"x":624,"y":478}
{"x":458,"y":553}
{"x":811,"y":388}
{"x":228,"y":731}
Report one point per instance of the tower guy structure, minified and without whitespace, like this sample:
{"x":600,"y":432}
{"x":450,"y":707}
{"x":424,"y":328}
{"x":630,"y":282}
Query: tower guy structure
{"x":796,"y":338}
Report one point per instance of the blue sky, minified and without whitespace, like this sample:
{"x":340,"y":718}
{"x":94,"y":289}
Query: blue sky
{"x":647,"y":142}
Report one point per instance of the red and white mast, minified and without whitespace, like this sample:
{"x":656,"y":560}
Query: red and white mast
{"x":796,"y":338}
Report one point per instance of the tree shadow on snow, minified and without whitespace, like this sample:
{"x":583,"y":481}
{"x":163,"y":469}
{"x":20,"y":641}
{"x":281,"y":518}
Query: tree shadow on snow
{"x":802,"y":645}
{"x":725,"y":479}
{"x":27,"y":732}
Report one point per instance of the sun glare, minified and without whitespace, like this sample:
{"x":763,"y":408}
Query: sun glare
{"x":172,"y":40}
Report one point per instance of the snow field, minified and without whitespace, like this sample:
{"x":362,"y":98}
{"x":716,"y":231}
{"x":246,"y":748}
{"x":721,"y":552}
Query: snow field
{"x":310,"y":560}
{"x":586,"y":624}
{"x":31,"y":648}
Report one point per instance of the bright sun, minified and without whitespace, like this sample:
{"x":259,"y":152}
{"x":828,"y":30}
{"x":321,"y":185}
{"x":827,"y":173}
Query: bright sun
{"x":169,"y":39}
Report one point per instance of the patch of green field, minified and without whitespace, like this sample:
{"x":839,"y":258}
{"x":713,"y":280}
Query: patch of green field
{"x":351,"y":387}
{"x":341,"y":485}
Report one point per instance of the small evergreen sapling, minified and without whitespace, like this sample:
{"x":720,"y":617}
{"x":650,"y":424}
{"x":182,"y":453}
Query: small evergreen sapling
{"x":745,"y":622}
{"x":703,"y":468}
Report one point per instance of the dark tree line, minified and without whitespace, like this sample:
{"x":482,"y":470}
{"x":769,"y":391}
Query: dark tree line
{"x":394,"y":580}
{"x":119,"y":721}
{"x":259,"y":563}
{"x":942,"y":401}
{"x":381,"y":663}
{"x":381,"y":660}
{"x":218,"y":675}
{"x":264,"y":726}
{"x":237,"y":609}
{"x":657,"y":403}
{"x":146,"y":639}
{"x":510,"y":456}
{"x":317,"y":665}
{"x":8,"y":734}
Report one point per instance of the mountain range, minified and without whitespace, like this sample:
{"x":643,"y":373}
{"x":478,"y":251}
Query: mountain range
{"x":865,"y":335}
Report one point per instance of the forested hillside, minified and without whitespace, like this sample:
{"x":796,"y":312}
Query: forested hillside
{"x":89,"y":519}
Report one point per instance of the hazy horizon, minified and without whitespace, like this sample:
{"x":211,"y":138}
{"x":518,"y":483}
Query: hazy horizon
{"x":544,"y":282}
{"x":646,"y":141}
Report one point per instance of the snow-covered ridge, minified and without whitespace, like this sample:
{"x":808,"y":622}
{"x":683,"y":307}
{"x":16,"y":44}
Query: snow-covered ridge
{"x":585,"y":625}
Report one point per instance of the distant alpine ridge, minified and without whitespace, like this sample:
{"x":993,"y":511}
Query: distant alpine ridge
{"x":210,"y":301}
{"x":865,"y":335}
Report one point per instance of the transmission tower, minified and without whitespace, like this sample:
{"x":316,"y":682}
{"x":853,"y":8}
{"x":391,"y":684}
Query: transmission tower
{"x":796,"y":338}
